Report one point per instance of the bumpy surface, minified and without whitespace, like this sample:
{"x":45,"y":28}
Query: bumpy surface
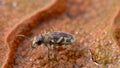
{"x":11,"y":12}
{"x":94,"y":23}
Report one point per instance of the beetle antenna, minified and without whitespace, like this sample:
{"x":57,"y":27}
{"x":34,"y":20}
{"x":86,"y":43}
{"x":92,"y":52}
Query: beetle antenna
{"x":24,"y":36}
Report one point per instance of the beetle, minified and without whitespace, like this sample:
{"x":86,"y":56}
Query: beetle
{"x":51,"y":38}
{"x":56,"y":37}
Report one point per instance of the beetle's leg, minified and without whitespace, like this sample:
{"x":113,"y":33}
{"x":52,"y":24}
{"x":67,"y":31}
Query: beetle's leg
{"x":52,"y":46}
{"x":29,"y":51}
{"x":48,"y":50}
{"x":48,"y":53}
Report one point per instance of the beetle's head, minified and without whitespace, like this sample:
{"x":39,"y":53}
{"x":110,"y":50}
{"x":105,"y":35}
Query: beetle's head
{"x":37,"y":40}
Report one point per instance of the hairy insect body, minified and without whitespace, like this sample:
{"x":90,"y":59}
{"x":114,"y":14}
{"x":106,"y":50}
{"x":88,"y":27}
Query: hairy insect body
{"x":57,"y":37}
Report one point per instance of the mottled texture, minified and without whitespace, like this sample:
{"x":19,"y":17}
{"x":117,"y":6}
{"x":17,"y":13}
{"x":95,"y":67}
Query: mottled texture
{"x":90,"y":22}
{"x":58,"y":37}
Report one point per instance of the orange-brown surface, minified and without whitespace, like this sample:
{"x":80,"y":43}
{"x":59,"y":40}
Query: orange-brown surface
{"x":94,"y":23}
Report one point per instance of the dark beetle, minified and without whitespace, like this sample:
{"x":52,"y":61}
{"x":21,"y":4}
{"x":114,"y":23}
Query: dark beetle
{"x":52,"y":38}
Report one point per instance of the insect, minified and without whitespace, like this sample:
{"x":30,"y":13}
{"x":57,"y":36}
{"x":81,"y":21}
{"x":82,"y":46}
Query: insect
{"x":58,"y":37}
{"x":52,"y":38}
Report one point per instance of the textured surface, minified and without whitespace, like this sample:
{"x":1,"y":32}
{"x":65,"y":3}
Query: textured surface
{"x":10,"y":13}
{"x":94,"y":23}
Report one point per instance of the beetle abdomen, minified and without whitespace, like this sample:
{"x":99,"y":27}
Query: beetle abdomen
{"x":58,"y":38}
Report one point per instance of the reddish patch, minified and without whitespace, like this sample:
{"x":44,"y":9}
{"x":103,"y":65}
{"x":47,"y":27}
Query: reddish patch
{"x":115,"y":24}
{"x":78,"y":17}
{"x":25,"y":26}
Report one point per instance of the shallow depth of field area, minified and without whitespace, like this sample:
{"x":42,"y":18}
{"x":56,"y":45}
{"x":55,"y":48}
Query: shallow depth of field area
{"x":90,"y":21}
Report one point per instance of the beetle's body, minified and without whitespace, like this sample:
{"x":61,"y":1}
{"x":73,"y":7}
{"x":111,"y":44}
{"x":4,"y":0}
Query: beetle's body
{"x":57,"y":37}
